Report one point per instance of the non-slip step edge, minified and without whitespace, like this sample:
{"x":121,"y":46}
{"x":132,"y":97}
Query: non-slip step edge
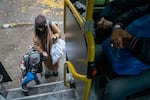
{"x":44,"y":94}
{"x":34,"y":86}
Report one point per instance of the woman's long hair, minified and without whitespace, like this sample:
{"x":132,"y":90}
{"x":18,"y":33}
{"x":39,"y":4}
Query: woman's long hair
{"x":41,"y":34}
{"x":40,"y":22}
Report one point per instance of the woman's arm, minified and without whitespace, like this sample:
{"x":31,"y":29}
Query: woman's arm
{"x":56,"y":30}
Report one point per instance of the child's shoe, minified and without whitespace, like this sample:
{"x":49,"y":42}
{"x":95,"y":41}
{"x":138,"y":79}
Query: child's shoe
{"x":37,"y":82}
{"x":24,"y":88}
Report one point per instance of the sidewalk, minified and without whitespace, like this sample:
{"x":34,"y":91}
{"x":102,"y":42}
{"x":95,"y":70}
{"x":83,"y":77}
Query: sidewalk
{"x":14,"y":41}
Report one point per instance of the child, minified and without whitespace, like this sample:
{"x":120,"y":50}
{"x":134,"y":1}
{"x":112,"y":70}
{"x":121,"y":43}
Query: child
{"x":30,"y":65}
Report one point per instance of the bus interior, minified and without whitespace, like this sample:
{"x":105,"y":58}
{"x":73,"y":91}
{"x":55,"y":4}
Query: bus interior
{"x":80,"y":17}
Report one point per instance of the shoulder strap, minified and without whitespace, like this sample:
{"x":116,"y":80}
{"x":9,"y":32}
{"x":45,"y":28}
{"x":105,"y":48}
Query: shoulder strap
{"x":50,"y":26}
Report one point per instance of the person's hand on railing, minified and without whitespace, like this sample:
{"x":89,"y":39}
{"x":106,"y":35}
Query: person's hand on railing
{"x":104,"y":24}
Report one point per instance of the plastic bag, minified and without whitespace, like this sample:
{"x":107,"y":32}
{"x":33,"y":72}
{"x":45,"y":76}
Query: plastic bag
{"x":57,"y":50}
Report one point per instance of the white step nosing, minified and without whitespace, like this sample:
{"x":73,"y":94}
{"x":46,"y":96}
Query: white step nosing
{"x":43,"y":94}
{"x":40,"y":85}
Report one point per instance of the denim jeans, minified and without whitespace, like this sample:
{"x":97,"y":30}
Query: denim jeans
{"x":29,"y":77}
{"x":122,"y":86}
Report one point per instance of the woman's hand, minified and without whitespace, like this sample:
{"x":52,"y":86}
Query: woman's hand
{"x":44,"y":54}
{"x":54,"y":37}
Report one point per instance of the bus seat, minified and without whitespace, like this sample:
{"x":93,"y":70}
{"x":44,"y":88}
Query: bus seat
{"x":99,"y":2}
{"x":98,"y":7}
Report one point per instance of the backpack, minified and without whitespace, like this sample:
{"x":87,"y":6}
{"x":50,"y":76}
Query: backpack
{"x":32,"y":61}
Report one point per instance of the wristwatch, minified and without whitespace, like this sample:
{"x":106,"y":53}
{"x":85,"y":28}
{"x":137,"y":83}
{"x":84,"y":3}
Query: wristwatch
{"x":116,"y":26}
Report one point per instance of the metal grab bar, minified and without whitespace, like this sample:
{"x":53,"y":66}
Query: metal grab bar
{"x":75,"y":12}
{"x":78,"y":76}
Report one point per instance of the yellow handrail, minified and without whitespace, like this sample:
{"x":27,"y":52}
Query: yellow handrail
{"x":64,"y":17}
{"x":79,"y":77}
{"x":91,"y":46}
{"x":75,"y":12}
{"x":89,"y":12}
{"x":89,"y":34}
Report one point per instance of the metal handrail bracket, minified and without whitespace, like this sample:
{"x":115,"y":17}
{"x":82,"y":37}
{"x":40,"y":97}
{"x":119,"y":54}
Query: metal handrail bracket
{"x":78,"y":76}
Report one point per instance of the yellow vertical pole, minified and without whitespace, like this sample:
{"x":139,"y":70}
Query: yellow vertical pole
{"x":89,"y":13}
{"x":91,"y":44}
{"x":89,"y":34}
{"x":64,"y":19}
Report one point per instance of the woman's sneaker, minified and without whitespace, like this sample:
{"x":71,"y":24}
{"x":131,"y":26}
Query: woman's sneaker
{"x":47,"y":75}
{"x":55,"y":73}
{"x":24,"y":88}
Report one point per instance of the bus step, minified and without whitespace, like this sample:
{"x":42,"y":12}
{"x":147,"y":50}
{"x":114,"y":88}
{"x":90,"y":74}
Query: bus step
{"x":53,"y":91}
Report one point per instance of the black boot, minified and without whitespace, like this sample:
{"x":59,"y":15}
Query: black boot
{"x":55,"y":73}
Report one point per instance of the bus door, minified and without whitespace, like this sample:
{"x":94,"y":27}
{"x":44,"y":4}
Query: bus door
{"x":79,"y":46}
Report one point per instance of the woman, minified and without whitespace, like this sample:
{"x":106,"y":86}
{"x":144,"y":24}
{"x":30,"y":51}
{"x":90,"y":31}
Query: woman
{"x":44,"y":36}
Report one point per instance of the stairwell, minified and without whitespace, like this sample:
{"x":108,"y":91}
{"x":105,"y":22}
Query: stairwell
{"x":46,"y":91}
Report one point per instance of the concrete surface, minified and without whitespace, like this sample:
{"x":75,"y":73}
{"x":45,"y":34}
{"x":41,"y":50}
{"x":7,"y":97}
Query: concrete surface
{"x":14,"y":40}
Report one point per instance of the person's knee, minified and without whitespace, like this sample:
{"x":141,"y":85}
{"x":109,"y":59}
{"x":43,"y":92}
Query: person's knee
{"x":46,"y":69}
{"x":114,"y":92}
{"x":111,"y":90}
{"x":99,"y":52}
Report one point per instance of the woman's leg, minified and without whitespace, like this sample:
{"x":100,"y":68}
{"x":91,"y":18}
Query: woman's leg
{"x":46,"y":71}
{"x":123,"y":86}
